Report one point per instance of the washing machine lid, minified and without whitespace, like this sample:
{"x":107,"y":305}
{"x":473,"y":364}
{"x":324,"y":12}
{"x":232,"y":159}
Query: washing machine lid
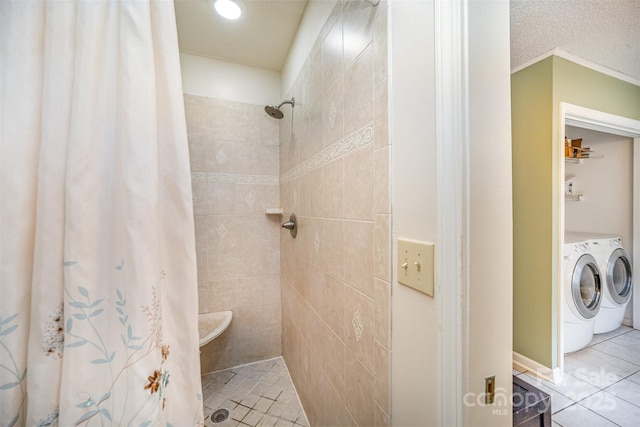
{"x":586,"y":286}
{"x":619,"y":276}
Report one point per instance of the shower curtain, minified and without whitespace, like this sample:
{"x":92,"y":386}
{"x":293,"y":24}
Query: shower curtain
{"x":98,"y":310}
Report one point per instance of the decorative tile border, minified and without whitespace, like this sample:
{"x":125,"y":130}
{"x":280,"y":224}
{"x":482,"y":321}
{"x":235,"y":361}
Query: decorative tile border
{"x":232,"y":178}
{"x":358,"y":139}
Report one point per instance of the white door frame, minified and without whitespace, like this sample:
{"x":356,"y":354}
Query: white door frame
{"x":452,"y":128}
{"x":586,"y":118}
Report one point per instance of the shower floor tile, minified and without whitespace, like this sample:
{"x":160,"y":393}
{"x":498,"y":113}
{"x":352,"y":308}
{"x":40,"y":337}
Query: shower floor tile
{"x":259,"y":395}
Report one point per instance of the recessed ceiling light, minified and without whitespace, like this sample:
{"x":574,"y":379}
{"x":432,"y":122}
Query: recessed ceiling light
{"x":229,"y":9}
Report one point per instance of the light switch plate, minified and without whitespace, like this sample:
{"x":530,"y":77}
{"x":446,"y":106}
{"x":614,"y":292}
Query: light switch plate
{"x":415,"y":265}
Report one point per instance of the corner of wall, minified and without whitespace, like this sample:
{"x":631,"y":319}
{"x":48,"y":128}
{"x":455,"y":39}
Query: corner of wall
{"x":532,"y":136}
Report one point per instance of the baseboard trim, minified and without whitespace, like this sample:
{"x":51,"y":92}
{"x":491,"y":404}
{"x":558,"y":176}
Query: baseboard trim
{"x":524,"y":364}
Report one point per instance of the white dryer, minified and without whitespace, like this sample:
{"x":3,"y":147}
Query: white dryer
{"x":582,"y":292}
{"x":615,"y":265}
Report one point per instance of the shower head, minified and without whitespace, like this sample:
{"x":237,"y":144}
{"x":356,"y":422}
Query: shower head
{"x":276,"y":112}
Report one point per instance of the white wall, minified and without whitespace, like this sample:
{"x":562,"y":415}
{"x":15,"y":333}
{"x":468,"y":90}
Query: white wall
{"x":490,"y":270}
{"x":607,"y":185}
{"x":225,"y":80}
{"x":415,"y":333}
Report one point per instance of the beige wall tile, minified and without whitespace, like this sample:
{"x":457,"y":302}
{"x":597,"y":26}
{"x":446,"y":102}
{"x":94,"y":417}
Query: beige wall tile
{"x":360,"y":391}
{"x":379,"y":32}
{"x":358,"y":17}
{"x":257,"y":159}
{"x":359,"y":318}
{"x":269,"y":128}
{"x":272,"y":292}
{"x":316,"y":288}
{"x":254,"y":199}
{"x":381,"y":190}
{"x":249,"y":321}
{"x":220,"y":156}
{"x":252,"y":229}
{"x":222,"y":295}
{"x":382,"y":247}
{"x":272,"y":257}
{"x":358,"y":184}
{"x":197,"y":153}
{"x":381,"y":115}
{"x":332,"y":54}
{"x":221,"y":231}
{"x":247,"y":122}
{"x":203,"y":297}
{"x":201,"y":231}
{"x":358,"y":237}
{"x":342,"y":202}
{"x":251,"y":260}
{"x":238,"y":257}
{"x":317,"y":340}
{"x":312,"y":240}
{"x":382,"y":370}
{"x":335,"y":409}
{"x":196,"y":115}
{"x":334,"y":189}
{"x":381,"y":419}
{"x":335,"y":247}
{"x":358,"y":92}
{"x":334,"y":301}
{"x":272,"y":321}
{"x":317,"y":192}
{"x":314,"y":104}
{"x":333,"y":114}
{"x":199,"y":195}
{"x":201,"y":263}
{"x":334,"y":364}
{"x":241,"y":157}
{"x":250,"y":292}
{"x":382,"y":298}
{"x":312,"y":193}
{"x":221,"y":198}
{"x":222,"y":262}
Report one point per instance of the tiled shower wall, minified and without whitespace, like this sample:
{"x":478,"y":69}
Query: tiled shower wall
{"x":234,"y":167}
{"x":334,"y":158}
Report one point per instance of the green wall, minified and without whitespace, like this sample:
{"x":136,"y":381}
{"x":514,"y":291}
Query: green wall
{"x":536,"y":93}
{"x":532,"y":105}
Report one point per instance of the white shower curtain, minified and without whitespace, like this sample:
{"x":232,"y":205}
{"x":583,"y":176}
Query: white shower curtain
{"x":98,"y":310}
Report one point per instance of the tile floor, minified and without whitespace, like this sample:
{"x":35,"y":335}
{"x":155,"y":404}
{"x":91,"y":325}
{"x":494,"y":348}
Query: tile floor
{"x":601,"y":385}
{"x":258,"y":394}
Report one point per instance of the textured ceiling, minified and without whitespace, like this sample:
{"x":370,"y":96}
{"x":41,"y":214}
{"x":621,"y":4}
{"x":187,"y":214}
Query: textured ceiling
{"x":261,"y":39}
{"x":605,"y":32}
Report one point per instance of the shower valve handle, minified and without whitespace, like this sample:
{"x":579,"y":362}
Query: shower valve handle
{"x":291,"y":225}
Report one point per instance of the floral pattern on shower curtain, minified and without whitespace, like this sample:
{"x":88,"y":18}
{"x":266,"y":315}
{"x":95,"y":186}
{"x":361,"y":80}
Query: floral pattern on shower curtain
{"x":98,"y":308}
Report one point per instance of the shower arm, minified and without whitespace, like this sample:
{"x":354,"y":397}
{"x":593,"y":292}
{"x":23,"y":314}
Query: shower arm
{"x":291,"y":102}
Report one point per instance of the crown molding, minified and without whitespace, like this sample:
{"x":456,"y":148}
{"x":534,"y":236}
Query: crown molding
{"x":580,"y":61}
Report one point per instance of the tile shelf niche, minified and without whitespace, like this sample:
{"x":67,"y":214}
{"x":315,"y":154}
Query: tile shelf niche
{"x":274,"y":211}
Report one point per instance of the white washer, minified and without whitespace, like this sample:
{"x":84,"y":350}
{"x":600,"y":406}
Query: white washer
{"x":615,"y":265}
{"x":582,"y":292}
